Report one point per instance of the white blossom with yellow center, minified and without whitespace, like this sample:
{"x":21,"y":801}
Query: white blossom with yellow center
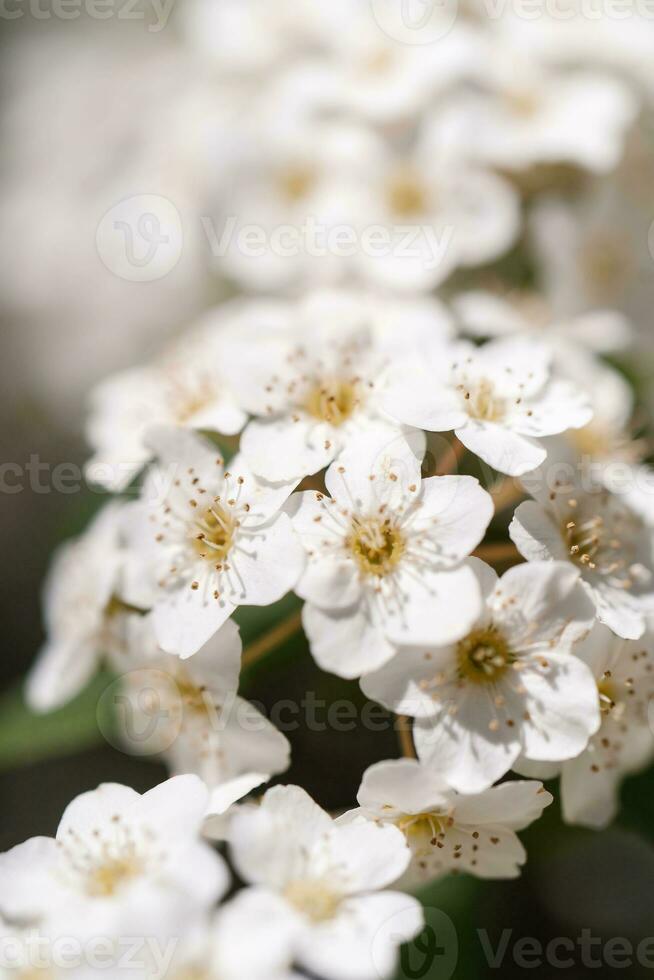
{"x":118,"y":861}
{"x":189,"y":712}
{"x":512,"y":686}
{"x":384,"y":550}
{"x":624,"y":742}
{"x":601,"y":533}
{"x":527,"y":115}
{"x":328,"y":874}
{"x":312,"y":373}
{"x":185,"y":386}
{"x":447,"y":832}
{"x":500,"y":399}
{"x":203,"y":540}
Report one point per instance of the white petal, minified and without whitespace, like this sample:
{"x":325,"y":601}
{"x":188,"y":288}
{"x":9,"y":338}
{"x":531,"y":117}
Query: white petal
{"x":268,"y":563}
{"x":363,"y":940}
{"x":514,"y":805}
{"x":346,"y":642}
{"x":563,"y":708}
{"x":462,"y":747}
{"x":402,"y":786}
{"x":185,"y":619}
{"x":535,"y":534}
{"x":504,"y":450}
{"x":438,"y":607}
{"x":270,"y":843}
{"x":372,"y":855}
{"x":281,"y":449}
{"x":454,"y":513}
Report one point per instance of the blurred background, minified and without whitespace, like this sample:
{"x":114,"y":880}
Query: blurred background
{"x":96,"y":111}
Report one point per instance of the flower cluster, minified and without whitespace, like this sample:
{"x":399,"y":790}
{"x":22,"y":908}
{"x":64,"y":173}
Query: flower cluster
{"x":349,"y":436}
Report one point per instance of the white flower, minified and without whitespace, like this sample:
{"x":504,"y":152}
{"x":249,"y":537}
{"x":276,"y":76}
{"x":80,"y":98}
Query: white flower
{"x":435,"y":210}
{"x":81,"y":616}
{"x":592,"y":252}
{"x":293,"y":185}
{"x":249,"y":938}
{"x":499,"y":399}
{"x":329,"y":874}
{"x":317,"y":383}
{"x":485,"y":314}
{"x":602,"y":535}
{"x":384,"y":80}
{"x":511,"y":686}
{"x":528,"y":115}
{"x":384,"y":555}
{"x":624,"y":743}
{"x":189,"y":711}
{"x":184,"y":387}
{"x":120,"y":863}
{"x":204,"y":540}
{"x":447,"y":832}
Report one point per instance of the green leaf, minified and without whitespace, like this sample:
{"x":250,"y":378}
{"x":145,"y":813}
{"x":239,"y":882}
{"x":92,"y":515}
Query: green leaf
{"x":26,"y":737}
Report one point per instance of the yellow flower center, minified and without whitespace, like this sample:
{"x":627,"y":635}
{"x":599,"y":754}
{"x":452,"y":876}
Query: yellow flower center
{"x":313,"y":898}
{"x":106,"y":878}
{"x":213,"y":534}
{"x":332,"y":401}
{"x":377,"y":546}
{"x":407,"y":195}
{"x":296,"y":182}
{"x":423,"y":825}
{"x":482,"y":401}
{"x":483,"y":656}
{"x":607,"y":693}
{"x":191,"y":695}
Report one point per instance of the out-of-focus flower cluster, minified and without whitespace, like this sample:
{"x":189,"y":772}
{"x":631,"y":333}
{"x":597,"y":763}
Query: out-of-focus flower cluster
{"x":293,"y":441}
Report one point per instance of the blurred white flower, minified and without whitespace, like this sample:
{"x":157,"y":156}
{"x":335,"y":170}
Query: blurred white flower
{"x":526,"y":115}
{"x":446,"y":831}
{"x":384,"y":555}
{"x":484,"y":314}
{"x":121,"y":863}
{"x":511,"y":686}
{"x":185,"y":386}
{"x":195,"y":716}
{"x":329,"y":875}
{"x":249,"y":938}
{"x":83,"y":618}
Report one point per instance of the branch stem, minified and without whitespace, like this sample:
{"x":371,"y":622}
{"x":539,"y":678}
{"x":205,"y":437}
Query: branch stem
{"x":405,"y":737}
{"x":272,"y":639}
